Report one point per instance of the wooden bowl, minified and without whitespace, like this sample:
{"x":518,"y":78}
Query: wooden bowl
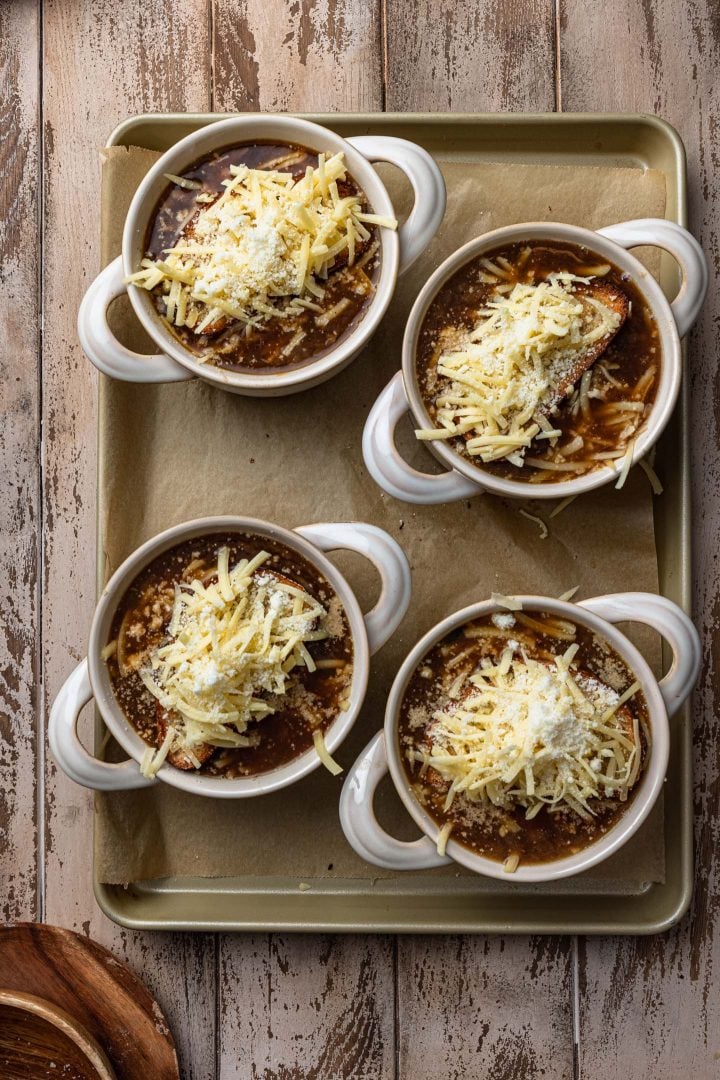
{"x":39,"y":1039}
{"x":63,"y":997}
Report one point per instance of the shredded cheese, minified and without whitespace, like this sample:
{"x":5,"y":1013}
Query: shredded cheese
{"x":230,"y":649}
{"x":509,"y":602}
{"x":536,"y":521}
{"x":267,"y":238}
{"x":627,"y":463}
{"x":502,"y":375}
{"x":183,"y":182}
{"x":109,"y":650}
{"x":533,"y":734}
{"x":562,"y":505}
{"x":443,"y":837}
{"x":652,"y":476}
{"x":324,"y":754}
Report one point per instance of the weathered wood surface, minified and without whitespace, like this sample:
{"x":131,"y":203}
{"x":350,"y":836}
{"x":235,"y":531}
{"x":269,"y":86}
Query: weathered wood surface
{"x":321,"y":1007}
{"x":19,"y":464}
{"x":652,"y":1004}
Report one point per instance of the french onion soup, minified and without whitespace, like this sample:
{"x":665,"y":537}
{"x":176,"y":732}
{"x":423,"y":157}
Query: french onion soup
{"x":539,"y":362}
{"x":231,"y":655}
{"x":262,"y":257}
{"x":524,"y":736}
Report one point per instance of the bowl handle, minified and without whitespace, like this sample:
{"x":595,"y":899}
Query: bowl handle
{"x":389,"y":560}
{"x":69,"y":752}
{"x":671,"y":623}
{"x":428,"y":185}
{"x":362,"y":829}
{"x":102,"y":347}
{"x":682,"y":245}
{"x":391,"y":471}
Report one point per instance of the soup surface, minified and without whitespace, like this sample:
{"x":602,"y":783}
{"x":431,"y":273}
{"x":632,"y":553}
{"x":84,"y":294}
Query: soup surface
{"x":539,"y":362}
{"x":226,"y":671}
{"x":524,"y":736}
{"x":262,"y":256}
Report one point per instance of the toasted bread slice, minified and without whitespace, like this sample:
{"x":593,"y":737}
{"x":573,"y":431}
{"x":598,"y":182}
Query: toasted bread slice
{"x":179,"y":758}
{"x":612,"y":297}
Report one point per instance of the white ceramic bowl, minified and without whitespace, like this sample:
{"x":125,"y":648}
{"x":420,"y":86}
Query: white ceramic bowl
{"x":175,"y":363}
{"x":91,"y":679}
{"x":465,"y":478}
{"x":372,"y":843}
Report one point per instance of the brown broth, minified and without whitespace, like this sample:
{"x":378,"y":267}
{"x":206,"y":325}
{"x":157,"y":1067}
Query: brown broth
{"x":494,"y":832}
{"x":313,"y":699}
{"x":634,"y":349}
{"x":261,"y":350}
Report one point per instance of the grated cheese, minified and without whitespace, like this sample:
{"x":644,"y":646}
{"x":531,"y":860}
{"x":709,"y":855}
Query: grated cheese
{"x":536,"y":521}
{"x":324,"y":754}
{"x":443,"y":837}
{"x":627,"y":463}
{"x":109,"y":650}
{"x":230,"y":646}
{"x":562,"y":505}
{"x":508,"y":602}
{"x":534,"y":734}
{"x":267,"y":238}
{"x":502,"y":376}
{"x":183,"y":182}
{"x":652,"y":476}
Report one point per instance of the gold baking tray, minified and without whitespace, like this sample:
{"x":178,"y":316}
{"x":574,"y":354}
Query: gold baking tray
{"x":406,"y":905}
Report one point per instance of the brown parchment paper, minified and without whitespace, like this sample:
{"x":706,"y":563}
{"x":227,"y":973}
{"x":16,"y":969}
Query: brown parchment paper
{"x":174,"y":452}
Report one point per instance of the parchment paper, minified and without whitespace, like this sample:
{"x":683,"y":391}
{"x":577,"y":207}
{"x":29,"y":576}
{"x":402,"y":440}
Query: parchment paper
{"x":174,"y":452}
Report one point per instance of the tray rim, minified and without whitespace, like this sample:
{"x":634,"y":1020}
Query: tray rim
{"x":678,"y":891}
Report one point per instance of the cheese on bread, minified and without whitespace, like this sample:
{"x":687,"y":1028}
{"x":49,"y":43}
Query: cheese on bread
{"x":496,"y":378}
{"x":231,"y":647}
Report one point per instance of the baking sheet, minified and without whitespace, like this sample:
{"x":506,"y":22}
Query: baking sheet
{"x":170,"y":453}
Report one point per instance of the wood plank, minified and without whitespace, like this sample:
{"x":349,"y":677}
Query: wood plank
{"x":482,"y":56}
{"x":305,"y":1006}
{"x":19,"y":455}
{"x":102,"y":61}
{"x":651,"y":1003}
{"x":464,"y":1006}
{"x":297,"y":56}
{"x":477,"y":1007}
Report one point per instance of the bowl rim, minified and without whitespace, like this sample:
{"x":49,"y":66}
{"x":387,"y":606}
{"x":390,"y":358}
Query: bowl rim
{"x":59,"y":1018}
{"x":121,"y":728}
{"x":670,"y":362}
{"x":223,"y":134}
{"x":650,"y":783}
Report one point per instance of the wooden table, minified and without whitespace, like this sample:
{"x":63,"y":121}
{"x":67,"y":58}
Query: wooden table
{"x":321,"y":1007}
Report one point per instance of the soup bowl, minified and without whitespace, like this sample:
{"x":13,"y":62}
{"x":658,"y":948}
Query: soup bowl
{"x":463,"y":478}
{"x":663,"y":698}
{"x":173,"y":362}
{"x":90,"y":679}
